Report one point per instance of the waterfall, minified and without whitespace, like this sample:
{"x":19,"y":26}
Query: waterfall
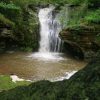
{"x":49,"y":31}
{"x":50,"y":43}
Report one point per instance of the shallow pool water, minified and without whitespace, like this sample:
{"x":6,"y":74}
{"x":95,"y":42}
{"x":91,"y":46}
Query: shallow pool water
{"x":33,"y":67}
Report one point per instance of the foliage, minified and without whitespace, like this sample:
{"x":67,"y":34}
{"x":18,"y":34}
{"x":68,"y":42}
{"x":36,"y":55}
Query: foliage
{"x":5,"y":21}
{"x":8,"y":6}
{"x":36,"y":2}
{"x":93,"y":16}
{"x":11,"y":11}
{"x":80,"y":15}
{"x":43,"y":2}
{"x":76,"y":15}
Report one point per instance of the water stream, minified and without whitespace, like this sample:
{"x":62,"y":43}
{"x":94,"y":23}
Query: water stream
{"x":50,"y":43}
{"x":49,"y":31}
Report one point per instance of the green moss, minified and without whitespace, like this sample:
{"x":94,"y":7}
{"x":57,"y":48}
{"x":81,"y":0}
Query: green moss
{"x":6,"y":21}
{"x":6,"y":83}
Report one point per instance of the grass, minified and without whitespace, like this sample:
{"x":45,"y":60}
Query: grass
{"x":6,"y":83}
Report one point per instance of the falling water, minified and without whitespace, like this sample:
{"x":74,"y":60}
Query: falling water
{"x":50,"y":43}
{"x":49,"y":31}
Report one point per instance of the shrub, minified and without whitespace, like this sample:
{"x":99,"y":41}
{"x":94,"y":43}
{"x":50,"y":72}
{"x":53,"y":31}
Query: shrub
{"x":11,"y":11}
{"x":93,"y":16}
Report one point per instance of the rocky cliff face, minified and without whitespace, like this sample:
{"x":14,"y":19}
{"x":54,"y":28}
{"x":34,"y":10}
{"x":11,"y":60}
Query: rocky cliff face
{"x":81,"y":41}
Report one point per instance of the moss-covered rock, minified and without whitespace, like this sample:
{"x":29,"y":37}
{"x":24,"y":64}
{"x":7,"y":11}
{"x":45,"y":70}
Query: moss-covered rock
{"x":83,"y":38}
{"x":19,"y":27}
{"x":27,"y":32}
